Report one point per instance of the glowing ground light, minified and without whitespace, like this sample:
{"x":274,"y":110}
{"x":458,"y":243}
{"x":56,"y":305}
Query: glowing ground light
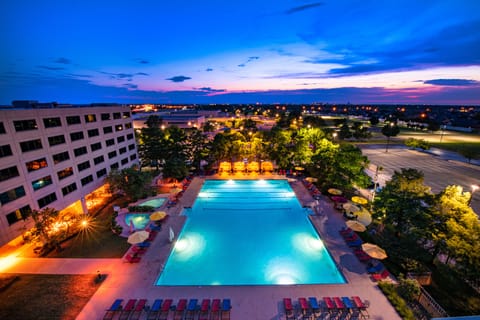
{"x":282,"y":271}
{"x":203,"y":194}
{"x":230,"y":182}
{"x":307,"y":244}
{"x":7,"y":262}
{"x":190,"y":245}
{"x":261,"y":182}
{"x":84,"y":223}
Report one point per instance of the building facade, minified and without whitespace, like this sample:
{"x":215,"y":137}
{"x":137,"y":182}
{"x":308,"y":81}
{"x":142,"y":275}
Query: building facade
{"x":55,"y":155}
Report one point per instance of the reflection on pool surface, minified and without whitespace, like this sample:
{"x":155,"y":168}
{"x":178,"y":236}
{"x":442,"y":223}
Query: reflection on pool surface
{"x":156,"y":203}
{"x":248,"y":232}
{"x":140,"y":220}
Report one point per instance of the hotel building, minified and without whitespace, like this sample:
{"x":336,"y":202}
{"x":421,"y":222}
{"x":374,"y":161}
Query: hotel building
{"x":56,"y":156}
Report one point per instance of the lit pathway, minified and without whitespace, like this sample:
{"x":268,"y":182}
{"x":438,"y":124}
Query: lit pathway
{"x":126,"y":280}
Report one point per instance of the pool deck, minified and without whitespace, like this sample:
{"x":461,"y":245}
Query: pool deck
{"x":125,"y":280}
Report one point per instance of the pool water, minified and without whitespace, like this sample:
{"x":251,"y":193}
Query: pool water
{"x":248,"y":232}
{"x":140,"y":220}
{"x":156,"y":203}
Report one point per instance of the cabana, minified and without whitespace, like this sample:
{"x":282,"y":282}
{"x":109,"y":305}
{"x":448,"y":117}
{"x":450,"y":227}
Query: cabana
{"x":239,"y":166}
{"x":267,"y":166}
{"x":253,"y":166}
{"x":225,"y":166}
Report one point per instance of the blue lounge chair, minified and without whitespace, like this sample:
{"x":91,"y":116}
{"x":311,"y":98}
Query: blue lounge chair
{"x":114,"y":309}
{"x":191,"y":309}
{"x":376,"y":268}
{"x":356,"y":243}
{"x":154,"y":310}
{"x":315,"y":306}
{"x":225,"y":312}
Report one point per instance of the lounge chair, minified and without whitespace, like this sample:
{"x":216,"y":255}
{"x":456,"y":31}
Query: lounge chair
{"x":180,"y":309}
{"x":215,"y":311}
{"x":165,"y":309}
{"x":330,"y":306}
{"x":315,"y":307}
{"x":361,"y":306}
{"x":288,"y":307}
{"x":154,"y":310}
{"x":356,"y":243}
{"x":204,"y":308}
{"x":340,"y":306}
{"x":346,"y":231}
{"x":138,"y":250}
{"x":140,"y":307}
{"x":155,"y":227}
{"x":226,"y":307}
{"x":351,"y":237}
{"x":113,"y":310}
{"x":362,"y":256}
{"x":191,"y":309}
{"x":128,"y":309}
{"x":380,"y":276}
{"x":304,"y":308}
{"x":132,"y":259}
{"x":144,"y":244}
{"x":378,"y":268}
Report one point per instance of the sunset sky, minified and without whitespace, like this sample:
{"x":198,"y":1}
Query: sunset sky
{"x":217,"y":51}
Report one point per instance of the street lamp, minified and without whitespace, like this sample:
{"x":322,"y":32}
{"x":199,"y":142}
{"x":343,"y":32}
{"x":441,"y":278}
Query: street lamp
{"x":443,"y":132}
{"x":334,"y":135}
{"x":474,"y":188}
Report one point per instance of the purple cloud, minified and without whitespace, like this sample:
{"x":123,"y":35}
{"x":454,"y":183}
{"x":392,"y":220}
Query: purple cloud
{"x":178,"y":78}
{"x":304,"y":7}
{"x":452,"y":82}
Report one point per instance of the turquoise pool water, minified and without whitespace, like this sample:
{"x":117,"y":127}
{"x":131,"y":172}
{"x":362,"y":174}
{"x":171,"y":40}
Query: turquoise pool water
{"x":156,"y":203}
{"x":140,"y":220}
{"x":248,"y":232}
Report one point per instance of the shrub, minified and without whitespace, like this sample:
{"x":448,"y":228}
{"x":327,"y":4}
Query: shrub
{"x":409,"y":289}
{"x":396,"y":300}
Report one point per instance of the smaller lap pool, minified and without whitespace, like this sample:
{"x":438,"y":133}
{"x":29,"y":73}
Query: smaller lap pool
{"x":156,"y":203}
{"x":139,"y":220}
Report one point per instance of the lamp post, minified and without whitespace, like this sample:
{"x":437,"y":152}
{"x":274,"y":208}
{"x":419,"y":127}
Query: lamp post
{"x":334,"y":135}
{"x":474,"y":188}
{"x":443,"y":132}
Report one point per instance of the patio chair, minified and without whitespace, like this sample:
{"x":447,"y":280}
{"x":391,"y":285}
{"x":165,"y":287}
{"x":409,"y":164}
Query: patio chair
{"x":288,"y":307}
{"x":165,"y":309}
{"x":137,"y":312}
{"x":132,"y":259}
{"x":356,"y":243}
{"x":180,"y":309}
{"x":204,"y":308}
{"x":315,"y":307}
{"x":215,"y":310}
{"x":304,"y":308}
{"x":154,"y":310}
{"x":138,"y":250}
{"x":380,"y":276}
{"x":378,"y":268}
{"x":143,"y":244}
{"x":191,"y":309}
{"x":155,"y":227}
{"x":113,"y":310}
{"x":128,"y":309}
{"x":226,"y":307}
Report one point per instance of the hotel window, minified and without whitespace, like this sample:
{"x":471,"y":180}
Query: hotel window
{"x":98,"y":160}
{"x":126,"y":115}
{"x":120,"y":139}
{"x":122,"y":150}
{"x":80,"y":151}
{"x":5,"y":151}
{"x":8,"y":173}
{"x":101,"y":173}
{"x":86,"y":180}
{"x":117,"y":115}
{"x":124,"y":161}
{"x":93,"y":133}
{"x":31,"y":145}
{"x":52,"y":122}
{"x":67,"y":172}
{"x":11,"y":195}
{"x":96,"y":146}
{"x":2,"y":128}
{"x":25,"y":125}
{"x":83,"y":166}
{"x":110,"y":142}
{"x":90,"y":118}
{"x":56,"y":140}
{"x":133,"y":157}
{"x":107,"y":130}
{"x":118,"y":127}
{"x":112,"y":154}
{"x":130,"y":136}
{"x":128,"y":125}
{"x":42,"y":182}
{"x":73,"y":120}
{"x":43,"y":202}
{"x":69,"y":189}
{"x":60,"y":157}
{"x":74,"y":136}
{"x":131,"y":147}
{"x":19,"y":214}
{"x":36,"y":164}
{"x":114,"y":166}
{"x":105,"y":116}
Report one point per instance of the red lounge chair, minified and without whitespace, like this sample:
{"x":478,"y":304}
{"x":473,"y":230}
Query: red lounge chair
{"x":114,"y":309}
{"x":128,"y":309}
{"x":165,"y":310}
{"x":330,"y":305}
{"x":304,"y":308}
{"x":138,"y":250}
{"x":205,"y":306}
{"x":180,"y":310}
{"x":380,"y":276}
{"x":287,"y":305}
{"x":132,"y":259}
{"x":361,"y":306}
{"x":215,"y":311}
{"x":137,"y":312}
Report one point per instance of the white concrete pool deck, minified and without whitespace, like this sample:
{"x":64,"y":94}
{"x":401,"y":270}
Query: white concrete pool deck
{"x":125,"y":280}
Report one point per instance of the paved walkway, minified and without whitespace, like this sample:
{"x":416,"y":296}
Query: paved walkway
{"x":126,"y":280}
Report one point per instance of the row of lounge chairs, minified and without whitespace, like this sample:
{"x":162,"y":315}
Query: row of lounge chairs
{"x":134,"y":255}
{"x":163,"y":309}
{"x":331,"y":307}
{"x":312,"y":189}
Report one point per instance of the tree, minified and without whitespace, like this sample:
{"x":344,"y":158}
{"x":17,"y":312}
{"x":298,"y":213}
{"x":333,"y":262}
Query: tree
{"x":468,"y":153}
{"x":374,"y":120}
{"x":345,"y":132}
{"x":43,"y":222}
{"x":134,"y":183}
{"x":390,"y":130}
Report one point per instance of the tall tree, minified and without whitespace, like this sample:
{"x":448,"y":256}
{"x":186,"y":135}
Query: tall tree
{"x":390,"y":130}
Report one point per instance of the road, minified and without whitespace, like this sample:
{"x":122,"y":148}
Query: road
{"x":440,"y":169}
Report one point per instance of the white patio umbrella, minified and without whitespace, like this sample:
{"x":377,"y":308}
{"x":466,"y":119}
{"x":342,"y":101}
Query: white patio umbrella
{"x":138,"y":237}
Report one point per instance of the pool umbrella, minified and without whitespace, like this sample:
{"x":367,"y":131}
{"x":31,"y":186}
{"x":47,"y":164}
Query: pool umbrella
{"x":359,"y":200}
{"x":355,"y":226}
{"x":339,"y":199}
{"x":364,"y":217}
{"x":158,"y":215}
{"x":350,"y":207}
{"x":374,"y":251}
{"x":138,"y":237}
{"x":335,"y":192}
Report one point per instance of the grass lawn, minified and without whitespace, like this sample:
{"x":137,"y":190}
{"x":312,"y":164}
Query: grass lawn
{"x":48,"y":297}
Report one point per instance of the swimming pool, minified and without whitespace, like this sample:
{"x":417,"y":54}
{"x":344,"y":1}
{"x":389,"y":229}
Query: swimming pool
{"x":156,"y":203}
{"x":248,"y":232}
{"x":140,"y":220}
